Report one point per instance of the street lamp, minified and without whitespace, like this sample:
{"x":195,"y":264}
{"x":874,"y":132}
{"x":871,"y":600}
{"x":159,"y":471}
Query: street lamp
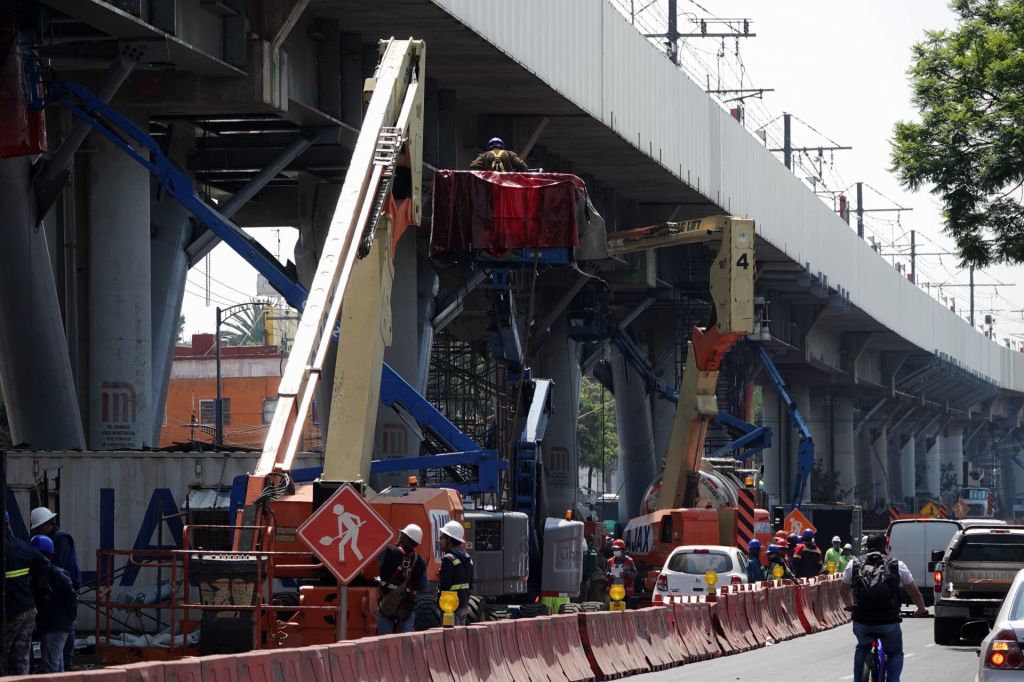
{"x":218,"y":411}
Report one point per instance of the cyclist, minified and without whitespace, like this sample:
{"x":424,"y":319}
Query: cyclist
{"x":871,"y":585}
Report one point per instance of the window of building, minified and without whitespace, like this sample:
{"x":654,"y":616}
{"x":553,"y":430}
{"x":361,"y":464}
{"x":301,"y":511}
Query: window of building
{"x":206,"y":412}
{"x":269,"y":405}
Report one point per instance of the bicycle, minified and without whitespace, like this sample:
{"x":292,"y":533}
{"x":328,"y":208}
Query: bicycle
{"x":874,"y":664}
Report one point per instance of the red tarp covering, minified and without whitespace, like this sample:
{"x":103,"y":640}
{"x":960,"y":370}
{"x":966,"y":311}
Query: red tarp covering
{"x":497,"y":212}
{"x":21,"y":132}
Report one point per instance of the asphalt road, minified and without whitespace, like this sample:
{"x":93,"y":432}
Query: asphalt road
{"x":828,"y":656}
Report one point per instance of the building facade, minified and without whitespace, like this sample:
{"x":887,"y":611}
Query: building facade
{"x":249,"y":378}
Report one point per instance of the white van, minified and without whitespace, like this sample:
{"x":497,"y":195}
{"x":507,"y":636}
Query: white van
{"x":912,"y":541}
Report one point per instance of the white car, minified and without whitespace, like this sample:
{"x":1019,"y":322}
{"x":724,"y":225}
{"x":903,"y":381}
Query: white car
{"x":684,"y":570}
{"x":1000,"y":657}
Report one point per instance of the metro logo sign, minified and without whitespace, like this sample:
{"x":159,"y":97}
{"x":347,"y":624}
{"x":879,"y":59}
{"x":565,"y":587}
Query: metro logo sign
{"x":346,"y":534}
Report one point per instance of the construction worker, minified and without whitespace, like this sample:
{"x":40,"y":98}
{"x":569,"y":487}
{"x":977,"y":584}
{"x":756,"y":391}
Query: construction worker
{"x":456,"y":573}
{"x":777,"y":557}
{"x":755,"y":571}
{"x":792,"y":542}
{"x":807,"y":556}
{"x":846,"y":557}
{"x":498,"y":158}
{"x":56,"y":610}
{"x":43,"y":521}
{"x":621,"y":568}
{"x":403,"y":573}
{"x":25,"y":572}
{"x":834,"y":556}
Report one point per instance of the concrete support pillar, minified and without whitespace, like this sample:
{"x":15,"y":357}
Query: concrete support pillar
{"x":951,"y":458}
{"x":932,"y":468}
{"x":908,"y":460}
{"x":843,"y":445}
{"x":172,"y":231}
{"x":120,"y":326}
{"x":636,"y":442}
{"x":35,"y":372}
{"x":878,"y":461}
{"x":1016,"y":474}
{"x":894,"y":481}
{"x":772,"y":457}
{"x":559,"y":360}
{"x":663,"y":412}
{"x":394,"y":438}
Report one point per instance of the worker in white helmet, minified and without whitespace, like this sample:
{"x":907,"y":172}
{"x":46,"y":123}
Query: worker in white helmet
{"x":456,"y":573}
{"x":43,"y":521}
{"x":403,"y":573}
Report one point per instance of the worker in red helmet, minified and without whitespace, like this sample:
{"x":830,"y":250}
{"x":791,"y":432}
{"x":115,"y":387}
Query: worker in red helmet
{"x":621,"y":568}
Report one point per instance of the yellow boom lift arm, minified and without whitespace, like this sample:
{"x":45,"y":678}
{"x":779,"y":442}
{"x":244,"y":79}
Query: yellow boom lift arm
{"x":732,"y":290}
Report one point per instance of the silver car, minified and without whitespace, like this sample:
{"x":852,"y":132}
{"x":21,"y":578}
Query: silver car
{"x":1000,"y":657}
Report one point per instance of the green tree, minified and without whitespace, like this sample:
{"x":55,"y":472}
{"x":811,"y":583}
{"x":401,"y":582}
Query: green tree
{"x":597,"y":441}
{"x":969,"y":142}
{"x":181,"y":328}
{"x":245,"y":326}
{"x":825,"y":485}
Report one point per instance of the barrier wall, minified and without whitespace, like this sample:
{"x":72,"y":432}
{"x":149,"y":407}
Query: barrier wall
{"x":565,"y":648}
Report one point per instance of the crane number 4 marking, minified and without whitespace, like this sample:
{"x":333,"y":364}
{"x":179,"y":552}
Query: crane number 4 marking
{"x":743,"y":261}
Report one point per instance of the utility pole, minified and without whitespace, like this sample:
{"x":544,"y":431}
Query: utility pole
{"x":971,"y":285}
{"x":860,"y":210}
{"x":913,"y":256}
{"x":787,"y":140}
{"x":673,"y":33}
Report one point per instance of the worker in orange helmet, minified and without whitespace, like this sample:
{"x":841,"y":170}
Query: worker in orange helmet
{"x":621,"y":568}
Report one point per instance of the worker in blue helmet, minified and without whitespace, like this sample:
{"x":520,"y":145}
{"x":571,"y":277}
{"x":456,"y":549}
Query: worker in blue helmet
{"x":497,"y":157}
{"x":807,"y":558}
{"x":778,"y":568}
{"x":56,"y":610}
{"x":755,"y":571}
{"x":792,"y":542}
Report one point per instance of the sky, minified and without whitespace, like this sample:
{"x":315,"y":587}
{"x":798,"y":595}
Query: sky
{"x":839,"y":66}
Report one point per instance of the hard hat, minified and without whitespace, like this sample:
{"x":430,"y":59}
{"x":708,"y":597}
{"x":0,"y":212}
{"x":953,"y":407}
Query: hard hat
{"x":455,"y":531}
{"x":39,"y":516}
{"x":836,"y":538}
{"x":793,"y":539}
{"x":619,"y":544}
{"x":773,"y":549}
{"x":413,"y":532}
{"x":808,"y":534}
{"x":847,"y":546}
{"x":754,"y":544}
{"x":495,"y":142}
{"x":43,"y":543}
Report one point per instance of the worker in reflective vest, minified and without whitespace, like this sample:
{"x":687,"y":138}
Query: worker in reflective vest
{"x":25,"y":573}
{"x":456,"y":574}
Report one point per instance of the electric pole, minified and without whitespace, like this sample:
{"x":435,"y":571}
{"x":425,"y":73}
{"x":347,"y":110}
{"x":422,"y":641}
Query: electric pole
{"x":733,"y":28}
{"x":787,"y":140}
{"x":673,"y":33}
{"x":913,"y":256}
{"x":860,"y":210}
{"x":971,"y":286}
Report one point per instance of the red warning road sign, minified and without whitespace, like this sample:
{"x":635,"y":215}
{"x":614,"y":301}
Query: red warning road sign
{"x":796,"y":523}
{"x":346,"y":533}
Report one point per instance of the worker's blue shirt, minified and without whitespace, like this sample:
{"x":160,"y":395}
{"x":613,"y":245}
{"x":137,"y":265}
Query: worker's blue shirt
{"x":65,"y":556}
{"x":755,"y":571}
{"x":26,"y":571}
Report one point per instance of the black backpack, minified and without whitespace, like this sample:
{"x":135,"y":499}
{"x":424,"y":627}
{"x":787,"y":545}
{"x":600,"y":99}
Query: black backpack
{"x":876,"y":583}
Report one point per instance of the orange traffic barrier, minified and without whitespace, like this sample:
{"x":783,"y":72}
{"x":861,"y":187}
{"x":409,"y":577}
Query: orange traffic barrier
{"x":456,"y":646}
{"x":401,"y":657}
{"x":521,"y":667}
{"x":150,"y":671}
{"x":770,"y":627}
{"x":350,"y":661}
{"x":729,"y":640}
{"x":803,"y":595}
{"x":741,"y":632}
{"x":609,"y":645}
{"x":781,"y":618}
{"x":691,"y":641}
{"x":706,"y":628}
{"x":755,"y":616}
{"x":219,"y":668}
{"x":569,"y":648}
{"x":643,"y":649}
{"x":485,"y":653}
{"x":656,"y":625}
{"x":306,"y":664}
{"x":437,"y":658}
